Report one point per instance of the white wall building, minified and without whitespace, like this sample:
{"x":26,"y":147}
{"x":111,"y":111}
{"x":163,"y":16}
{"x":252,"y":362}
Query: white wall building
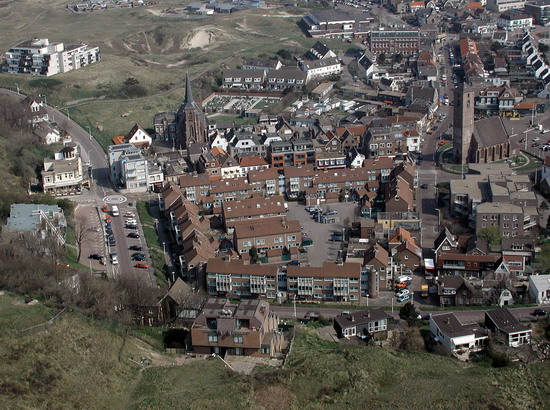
{"x":504,"y":5}
{"x":321,"y":68}
{"x":42,"y":58}
{"x":539,"y":288}
{"x":455,"y":336}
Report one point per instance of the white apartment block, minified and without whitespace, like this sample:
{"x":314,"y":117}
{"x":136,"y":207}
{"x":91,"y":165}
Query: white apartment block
{"x":321,"y":68}
{"x":505,"y":5}
{"x":41,"y":58}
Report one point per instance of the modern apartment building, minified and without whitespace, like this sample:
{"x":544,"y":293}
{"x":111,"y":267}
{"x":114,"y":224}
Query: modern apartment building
{"x":248,"y":328}
{"x":539,"y":10}
{"x":128,"y":168}
{"x":504,"y":5}
{"x":296,"y":152}
{"x":332,"y":282}
{"x":237,"y":278}
{"x":42,"y":58}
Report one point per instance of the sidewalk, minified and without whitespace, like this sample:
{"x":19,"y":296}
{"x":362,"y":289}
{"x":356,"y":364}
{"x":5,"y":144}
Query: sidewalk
{"x":164,"y":238}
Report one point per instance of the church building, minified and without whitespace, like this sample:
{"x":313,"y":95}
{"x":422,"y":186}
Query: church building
{"x":191,"y":125}
{"x":478,"y":141}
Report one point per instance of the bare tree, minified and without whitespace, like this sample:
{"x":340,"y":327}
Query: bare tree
{"x":80,"y":232}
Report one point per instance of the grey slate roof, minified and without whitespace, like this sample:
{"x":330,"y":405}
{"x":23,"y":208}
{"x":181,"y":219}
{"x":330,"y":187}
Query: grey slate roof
{"x":489,"y":132}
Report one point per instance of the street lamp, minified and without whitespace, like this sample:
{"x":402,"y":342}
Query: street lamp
{"x":17,"y":85}
{"x":89,"y":131}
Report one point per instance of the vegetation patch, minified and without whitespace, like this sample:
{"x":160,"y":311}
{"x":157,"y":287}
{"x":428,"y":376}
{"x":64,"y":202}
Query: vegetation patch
{"x":45,"y":83}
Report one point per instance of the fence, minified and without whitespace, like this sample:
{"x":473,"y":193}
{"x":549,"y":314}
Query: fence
{"x":42,"y":326}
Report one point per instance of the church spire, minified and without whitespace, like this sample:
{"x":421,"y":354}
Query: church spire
{"x":188,"y":102}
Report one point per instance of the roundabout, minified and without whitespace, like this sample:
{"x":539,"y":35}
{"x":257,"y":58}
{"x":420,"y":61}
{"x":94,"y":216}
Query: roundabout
{"x":114,"y":199}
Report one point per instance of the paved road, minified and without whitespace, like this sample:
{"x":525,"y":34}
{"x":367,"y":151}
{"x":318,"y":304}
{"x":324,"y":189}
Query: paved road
{"x":428,"y":173}
{"x":465,"y":316}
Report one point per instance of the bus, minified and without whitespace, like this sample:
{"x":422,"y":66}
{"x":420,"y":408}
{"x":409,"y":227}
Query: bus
{"x":114,"y":211}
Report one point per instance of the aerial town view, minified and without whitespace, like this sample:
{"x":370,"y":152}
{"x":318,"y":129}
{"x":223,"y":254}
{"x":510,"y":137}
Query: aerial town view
{"x":264,"y":204}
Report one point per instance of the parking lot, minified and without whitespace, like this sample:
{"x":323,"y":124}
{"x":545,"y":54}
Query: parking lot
{"x":323,"y":249}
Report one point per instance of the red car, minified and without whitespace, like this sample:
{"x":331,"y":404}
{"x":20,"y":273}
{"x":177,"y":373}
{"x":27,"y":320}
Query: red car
{"x":141,"y":265}
{"x":441,"y":143}
{"x":105,"y":208}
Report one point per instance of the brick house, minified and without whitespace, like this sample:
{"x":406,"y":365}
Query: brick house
{"x":266,"y":235}
{"x":258,"y":209}
{"x":245,"y":329}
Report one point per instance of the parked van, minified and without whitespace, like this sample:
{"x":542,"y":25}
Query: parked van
{"x":114,"y":211}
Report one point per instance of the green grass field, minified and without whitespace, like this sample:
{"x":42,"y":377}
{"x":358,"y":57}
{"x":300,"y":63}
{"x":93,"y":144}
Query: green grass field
{"x":156,"y":51}
{"x":79,"y":362}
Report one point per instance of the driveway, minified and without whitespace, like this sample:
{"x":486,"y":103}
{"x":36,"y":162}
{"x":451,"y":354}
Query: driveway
{"x":322,"y":249}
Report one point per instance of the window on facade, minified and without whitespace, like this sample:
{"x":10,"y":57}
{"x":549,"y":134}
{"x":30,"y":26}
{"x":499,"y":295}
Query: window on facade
{"x":237,"y":339}
{"x":212,"y":338}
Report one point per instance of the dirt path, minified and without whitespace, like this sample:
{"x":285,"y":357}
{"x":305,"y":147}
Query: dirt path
{"x":32,"y":22}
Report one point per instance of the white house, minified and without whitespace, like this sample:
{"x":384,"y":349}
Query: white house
{"x":219,"y":141}
{"x":138,"y":136}
{"x":503,"y":323}
{"x":514,"y":20}
{"x":321,"y":68}
{"x":48,"y":135}
{"x":539,"y":289}
{"x":455,"y":336}
{"x":355,"y":158}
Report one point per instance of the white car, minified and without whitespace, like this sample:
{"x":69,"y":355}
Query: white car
{"x":545,"y":131}
{"x":402,"y":292}
{"x":536,"y":139}
{"x":403,"y":279}
{"x":131,"y":221}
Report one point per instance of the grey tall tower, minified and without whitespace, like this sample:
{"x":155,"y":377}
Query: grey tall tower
{"x":463,"y":119}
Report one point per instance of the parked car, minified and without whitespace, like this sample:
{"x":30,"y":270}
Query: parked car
{"x":112,"y":241}
{"x":402,"y":292}
{"x":311,"y":208}
{"x":94,"y":228}
{"x":331,"y":212}
{"x":403,"y":278}
{"x":539,"y":312}
{"x":95,"y":256}
{"x":138,"y":258}
{"x":114,"y":258}
{"x":131,"y":226}
{"x":403,"y":298}
{"x":134,"y":235}
{"x":336,"y":237}
{"x":105,"y":208}
{"x":141,"y":265}
{"x":424,"y":186}
{"x":536,"y":139}
{"x":138,"y":254}
{"x":545,"y":131}
{"x":402,"y":285}
{"x":293,"y":263}
{"x":130,"y":215}
{"x":535,"y":144}
{"x":136,"y":248}
{"x":441,"y":143}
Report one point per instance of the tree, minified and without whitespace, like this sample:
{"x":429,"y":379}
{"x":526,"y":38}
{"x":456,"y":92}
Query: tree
{"x":284,"y":54}
{"x":491,"y":234}
{"x":381,"y":58}
{"x":398,"y":57}
{"x":408,"y":313}
{"x":80,"y":232}
{"x":253,"y":252}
